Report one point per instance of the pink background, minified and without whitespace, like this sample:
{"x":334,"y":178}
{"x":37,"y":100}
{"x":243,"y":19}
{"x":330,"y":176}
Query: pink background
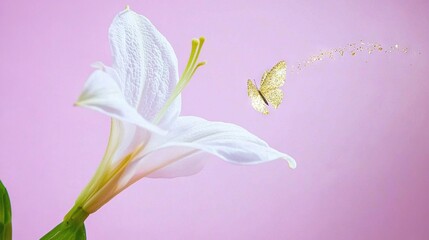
{"x":357,"y":126}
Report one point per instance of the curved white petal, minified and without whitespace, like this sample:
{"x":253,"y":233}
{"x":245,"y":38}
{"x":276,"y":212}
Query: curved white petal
{"x":178,"y":153}
{"x":101,"y":93}
{"x":169,"y":162}
{"x":230,"y":142}
{"x":129,"y":137}
{"x":146,"y":65}
{"x":186,"y":166}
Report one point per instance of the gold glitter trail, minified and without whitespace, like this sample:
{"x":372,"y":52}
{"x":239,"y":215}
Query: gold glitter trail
{"x":351,"y":49}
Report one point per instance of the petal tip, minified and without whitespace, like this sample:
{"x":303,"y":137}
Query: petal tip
{"x":127,"y":9}
{"x":80,"y":102}
{"x":291,"y":162}
{"x":98,"y":65}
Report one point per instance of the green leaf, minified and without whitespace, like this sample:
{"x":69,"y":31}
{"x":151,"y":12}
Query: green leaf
{"x":5,"y":214}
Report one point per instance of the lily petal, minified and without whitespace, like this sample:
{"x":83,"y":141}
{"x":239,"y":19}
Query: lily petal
{"x":230,"y":142}
{"x":146,"y":65}
{"x":192,"y":164}
{"x":169,"y":162}
{"x":101,"y":93}
{"x":129,"y":137}
{"x":190,"y":136}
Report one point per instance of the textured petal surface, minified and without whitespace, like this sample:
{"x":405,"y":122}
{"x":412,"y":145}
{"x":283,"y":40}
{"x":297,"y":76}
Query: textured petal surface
{"x":146,"y":65}
{"x":101,"y":93}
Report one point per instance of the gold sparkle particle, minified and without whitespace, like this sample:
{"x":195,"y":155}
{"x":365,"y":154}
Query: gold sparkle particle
{"x":270,"y":92}
{"x":351,"y":49}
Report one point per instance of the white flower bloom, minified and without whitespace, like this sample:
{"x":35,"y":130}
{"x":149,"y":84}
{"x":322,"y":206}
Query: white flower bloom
{"x":141,"y":93}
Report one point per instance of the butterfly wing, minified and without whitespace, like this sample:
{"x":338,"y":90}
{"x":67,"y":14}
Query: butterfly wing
{"x":271,"y":83}
{"x":257,"y":102}
{"x":274,"y":97}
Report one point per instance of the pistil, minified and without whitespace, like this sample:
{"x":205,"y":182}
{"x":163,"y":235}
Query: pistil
{"x":191,"y":68}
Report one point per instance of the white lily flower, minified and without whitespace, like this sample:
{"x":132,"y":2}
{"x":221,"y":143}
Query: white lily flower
{"x":141,"y":93}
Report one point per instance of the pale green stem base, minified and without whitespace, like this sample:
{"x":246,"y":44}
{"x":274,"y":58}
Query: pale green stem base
{"x":71,"y":228}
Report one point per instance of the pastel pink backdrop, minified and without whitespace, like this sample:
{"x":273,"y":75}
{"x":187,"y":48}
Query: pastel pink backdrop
{"x":357,"y":126}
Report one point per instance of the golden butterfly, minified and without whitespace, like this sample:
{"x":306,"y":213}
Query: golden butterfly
{"x":270,"y":92}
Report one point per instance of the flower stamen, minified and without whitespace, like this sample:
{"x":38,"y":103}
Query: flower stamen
{"x":191,"y":68}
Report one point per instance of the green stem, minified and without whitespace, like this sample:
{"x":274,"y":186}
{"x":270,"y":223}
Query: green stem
{"x":76,"y":215}
{"x":71,"y":228}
